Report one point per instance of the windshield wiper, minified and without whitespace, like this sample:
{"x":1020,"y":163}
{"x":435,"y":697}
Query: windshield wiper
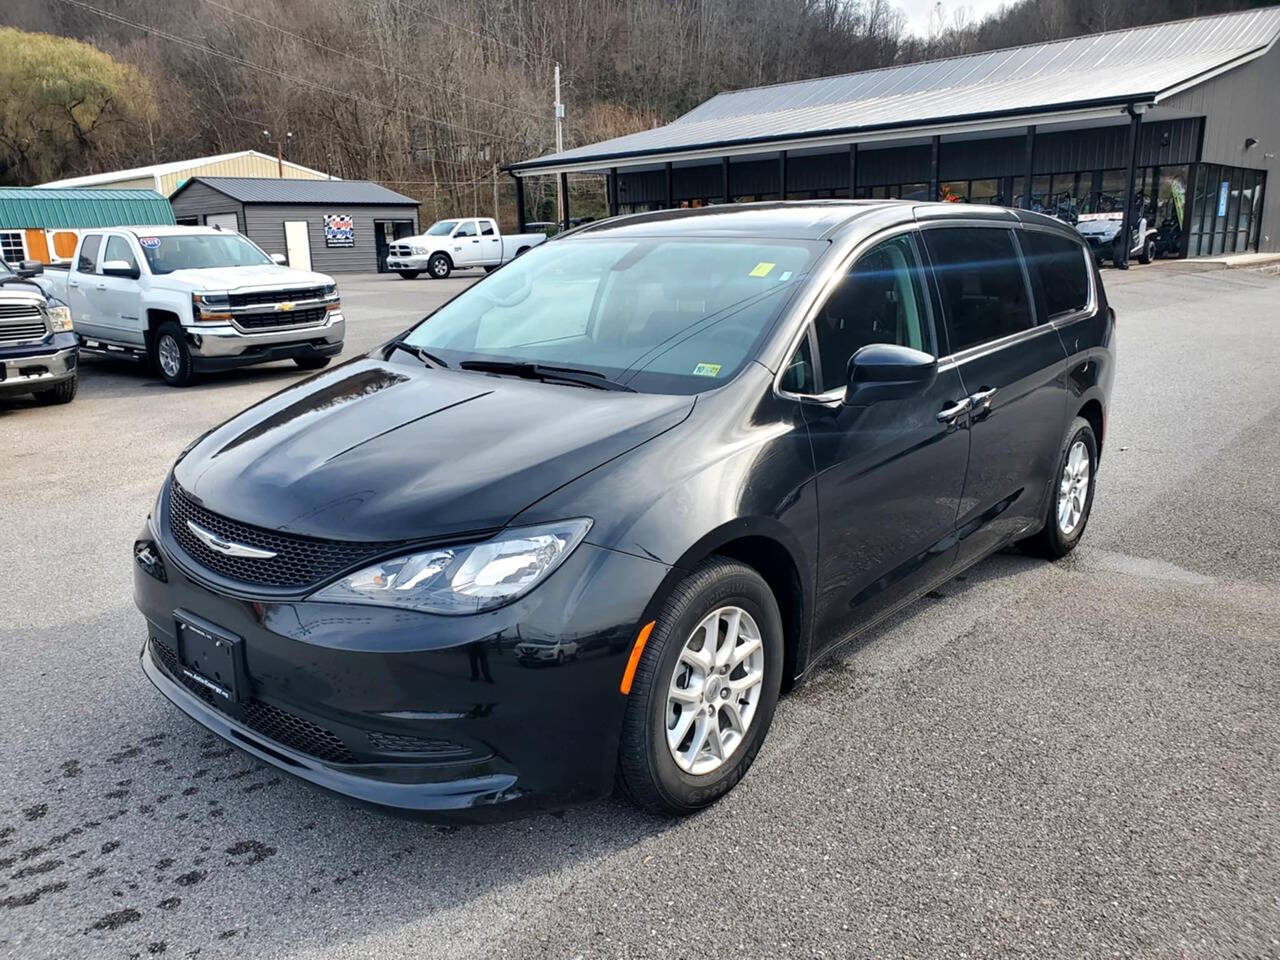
{"x":538,"y":371}
{"x":428,"y":359}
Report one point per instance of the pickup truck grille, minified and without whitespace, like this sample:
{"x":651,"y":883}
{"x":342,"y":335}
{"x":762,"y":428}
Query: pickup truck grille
{"x":21,"y":323}
{"x":280,"y":318}
{"x":254,"y":298}
{"x":401,"y":250}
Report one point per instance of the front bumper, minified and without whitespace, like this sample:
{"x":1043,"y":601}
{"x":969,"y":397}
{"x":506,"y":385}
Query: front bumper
{"x":217,"y":345}
{"x":430,"y":716}
{"x":38,"y":366}
{"x":415,"y":262}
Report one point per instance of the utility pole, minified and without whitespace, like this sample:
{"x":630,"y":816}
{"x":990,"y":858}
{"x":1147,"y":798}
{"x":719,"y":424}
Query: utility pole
{"x":561,"y":199}
{"x":279,"y":151}
{"x":496,"y":217}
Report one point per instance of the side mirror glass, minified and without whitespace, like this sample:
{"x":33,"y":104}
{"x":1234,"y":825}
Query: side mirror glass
{"x":886,"y":371}
{"x":30,"y":268}
{"x":120,"y":268}
{"x":279,"y":259}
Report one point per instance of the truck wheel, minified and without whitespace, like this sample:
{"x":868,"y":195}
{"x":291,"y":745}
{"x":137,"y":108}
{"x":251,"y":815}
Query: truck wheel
{"x":311,"y":363}
{"x":491,"y":269}
{"x":1148,"y":251}
{"x":63,"y":392}
{"x":439,"y":266}
{"x":171,"y":356}
{"x":410,"y":274}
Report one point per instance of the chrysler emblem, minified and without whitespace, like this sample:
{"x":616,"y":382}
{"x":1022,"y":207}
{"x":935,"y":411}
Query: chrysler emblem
{"x":228,"y":547}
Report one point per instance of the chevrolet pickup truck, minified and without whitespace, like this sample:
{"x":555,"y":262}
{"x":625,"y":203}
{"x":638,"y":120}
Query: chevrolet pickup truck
{"x":191,"y":299}
{"x":38,"y":349}
{"x":450,"y":245}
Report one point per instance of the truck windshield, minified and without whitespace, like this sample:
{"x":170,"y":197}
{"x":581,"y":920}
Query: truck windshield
{"x":442,"y":228}
{"x":200,"y":251}
{"x":662,"y":315}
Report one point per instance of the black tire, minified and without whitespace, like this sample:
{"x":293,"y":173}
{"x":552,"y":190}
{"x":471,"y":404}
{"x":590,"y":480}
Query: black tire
{"x":311,"y":363}
{"x":410,"y":274}
{"x":63,"y":392}
{"x":184,"y":374}
{"x":1051,"y":542}
{"x":492,"y":268}
{"x":521,"y":250}
{"x":1148,"y":251}
{"x":439,"y":266}
{"x":648,"y":775}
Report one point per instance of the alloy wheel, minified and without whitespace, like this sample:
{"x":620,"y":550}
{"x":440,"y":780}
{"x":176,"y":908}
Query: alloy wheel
{"x":1073,"y":489}
{"x":714,"y":690}
{"x":169,"y":355}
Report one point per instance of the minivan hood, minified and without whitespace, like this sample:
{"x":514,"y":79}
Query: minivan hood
{"x":263,"y":276}
{"x":379,"y":451}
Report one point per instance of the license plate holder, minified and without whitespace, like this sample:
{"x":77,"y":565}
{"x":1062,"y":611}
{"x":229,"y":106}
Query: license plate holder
{"x":211,"y":657}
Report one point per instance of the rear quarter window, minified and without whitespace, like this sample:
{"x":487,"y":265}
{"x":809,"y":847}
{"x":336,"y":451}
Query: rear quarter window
{"x":1063,"y":271}
{"x":981,"y":284}
{"x":87,"y":262}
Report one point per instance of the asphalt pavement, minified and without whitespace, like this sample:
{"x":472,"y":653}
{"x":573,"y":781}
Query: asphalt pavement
{"x":1073,"y":759}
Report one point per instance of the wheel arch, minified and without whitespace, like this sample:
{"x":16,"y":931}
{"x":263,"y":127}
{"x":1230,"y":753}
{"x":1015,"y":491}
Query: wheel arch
{"x":1092,"y":411}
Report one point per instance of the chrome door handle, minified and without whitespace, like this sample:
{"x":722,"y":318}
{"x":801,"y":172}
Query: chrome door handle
{"x":72,"y":283}
{"x":949,"y":414}
{"x":983,"y":398}
{"x":102,"y":286}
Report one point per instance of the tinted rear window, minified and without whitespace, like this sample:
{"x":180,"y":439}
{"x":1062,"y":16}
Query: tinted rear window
{"x":1064,"y":274}
{"x":984,"y":295}
{"x":87,"y":262}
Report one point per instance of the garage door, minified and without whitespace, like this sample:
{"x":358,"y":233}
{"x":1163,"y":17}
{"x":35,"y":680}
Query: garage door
{"x":227,"y":221}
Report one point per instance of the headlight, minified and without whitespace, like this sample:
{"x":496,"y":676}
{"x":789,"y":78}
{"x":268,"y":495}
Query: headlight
{"x":210,"y":307}
{"x":464,"y":579}
{"x":60,"y":319}
{"x":330,"y":290}
{"x":418,"y":248}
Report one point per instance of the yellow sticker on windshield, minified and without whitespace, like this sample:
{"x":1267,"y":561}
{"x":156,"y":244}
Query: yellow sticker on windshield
{"x":762,"y":269}
{"x":707,"y":370}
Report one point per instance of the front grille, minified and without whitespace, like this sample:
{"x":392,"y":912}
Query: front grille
{"x":272,"y":722}
{"x":21,"y":323}
{"x":299,"y":561}
{"x":402,"y":743}
{"x":401,"y":250}
{"x":280,"y":318}
{"x":254,"y":298}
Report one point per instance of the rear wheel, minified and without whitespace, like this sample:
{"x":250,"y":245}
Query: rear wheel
{"x":410,"y":274}
{"x":1072,"y":496}
{"x":439,"y":266}
{"x":704,"y":690}
{"x":1148,"y":251}
{"x":311,"y":363}
{"x":171,"y":357}
{"x":63,"y":392}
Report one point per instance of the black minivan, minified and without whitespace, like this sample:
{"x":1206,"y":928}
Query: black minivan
{"x":579,"y":527}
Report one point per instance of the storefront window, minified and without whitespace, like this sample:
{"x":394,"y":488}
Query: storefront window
{"x":985,"y":191}
{"x":954,"y":191}
{"x":1111,"y":191}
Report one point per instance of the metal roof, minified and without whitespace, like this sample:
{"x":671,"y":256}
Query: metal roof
{"x":275,"y":190}
{"x":173,"y":166}
{"x":29,"y":207}
{"x":1135,"y":65}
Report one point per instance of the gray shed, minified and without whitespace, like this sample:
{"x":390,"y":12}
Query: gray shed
{"x":334,"y":226}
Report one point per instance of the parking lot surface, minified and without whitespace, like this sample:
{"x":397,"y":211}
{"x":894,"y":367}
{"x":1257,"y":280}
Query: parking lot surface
{"x":1067,"y":760}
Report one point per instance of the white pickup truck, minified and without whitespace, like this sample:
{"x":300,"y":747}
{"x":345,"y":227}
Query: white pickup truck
{"x":450,"y":245}
{"x":189,"y":299}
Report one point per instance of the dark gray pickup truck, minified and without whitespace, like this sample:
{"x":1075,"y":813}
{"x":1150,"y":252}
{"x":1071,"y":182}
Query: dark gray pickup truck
{"x":38,"y":349}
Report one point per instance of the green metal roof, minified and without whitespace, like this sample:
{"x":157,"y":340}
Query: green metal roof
{"x":52,"y":207}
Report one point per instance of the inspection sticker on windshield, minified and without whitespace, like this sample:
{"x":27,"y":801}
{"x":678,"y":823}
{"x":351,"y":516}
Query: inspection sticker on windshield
{"x":762,"y":269}
{"x":708,"y":369}
{"x":149,"y":242}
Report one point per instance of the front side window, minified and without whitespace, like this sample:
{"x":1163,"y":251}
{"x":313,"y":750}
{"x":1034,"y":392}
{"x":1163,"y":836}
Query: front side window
{"x":880,"y":300}
{"x":118,"y":249}
{"x":662,"y":315}
{"x":200,"y":251}
{"x":87,"y":262}
{"x":441,"y":228}
{"x":468,"y":229}
{"x":1064,"y":274}
{"x":980,"y":279}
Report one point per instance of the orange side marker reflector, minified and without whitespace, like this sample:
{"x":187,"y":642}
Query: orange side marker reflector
{"x":630,"y":673}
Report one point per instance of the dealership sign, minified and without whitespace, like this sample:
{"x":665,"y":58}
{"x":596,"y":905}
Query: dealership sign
{"x":339,"y":230}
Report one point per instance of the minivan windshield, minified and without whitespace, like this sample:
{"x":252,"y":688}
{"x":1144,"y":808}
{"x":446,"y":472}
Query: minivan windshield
{"x":199,"y":251}
{"x":660,"y":314}
{"x":442,"y":228}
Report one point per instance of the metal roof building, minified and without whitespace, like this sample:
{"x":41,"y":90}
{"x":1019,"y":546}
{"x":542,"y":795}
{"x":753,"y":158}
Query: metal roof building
{"x":38,"y":224}
{"x":167,"y":177}
{"x":1189,"y":106}
{"x":334,"y":226}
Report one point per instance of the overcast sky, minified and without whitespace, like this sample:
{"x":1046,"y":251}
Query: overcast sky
{"x":918,"y":11}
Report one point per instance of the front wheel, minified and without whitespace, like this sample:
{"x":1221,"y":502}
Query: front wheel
{"x":704,"y":690}
{"x":171,"y":356}
{"x":311,"y":363}
{"x":63,"y":392}
{"x":1072,"y":495}
{"x":410,"y":274}
{"x":439,"y":266}
{"x":1148,"y":251}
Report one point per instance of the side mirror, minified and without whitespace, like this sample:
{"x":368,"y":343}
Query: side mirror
{"x":120,"y":268}
{"x":886,"y":371}
{"x":279,"y":259}
{"x":30,"y":268}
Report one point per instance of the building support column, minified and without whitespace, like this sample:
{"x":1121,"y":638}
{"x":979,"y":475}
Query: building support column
{"x":934,"y":184}
{"x":613,"y":192}
{"x":564,"y":192}
{"x":1131,"y":169}
{"x":1029,"y":169}
{"x":853,"y":170}
{"x":668,"y":192}
{"x":724,"y":180}
{"x":520,"y":221}
{"x":782,"y":174}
